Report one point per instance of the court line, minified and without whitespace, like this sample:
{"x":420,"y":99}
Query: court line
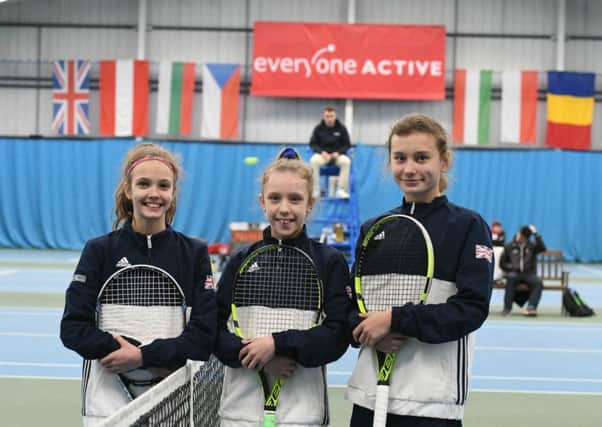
{"x":538,"y":379}
{"x":35,"y":377}
{"x":487,"y":390}
{"x":7,"y":272}
{"x":547,"y":327}
{"x":27,"y":334}
{"x":42,"y":365}
{"x":539,"y":349}
{"x":580,"y":393}
{"x":11,"y":311}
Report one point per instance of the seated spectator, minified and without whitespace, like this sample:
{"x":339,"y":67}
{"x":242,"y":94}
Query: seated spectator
{"x":519,"y":263}
{"x":498,"y":235}
{"x":330,"y":142}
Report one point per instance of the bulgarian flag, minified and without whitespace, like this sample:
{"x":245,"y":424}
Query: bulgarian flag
{"x":472,"y":101}
{"x":175,"y":98}
{"x":124,"y":98}
{"x":221,"y":96}
{"x":519,"y":107}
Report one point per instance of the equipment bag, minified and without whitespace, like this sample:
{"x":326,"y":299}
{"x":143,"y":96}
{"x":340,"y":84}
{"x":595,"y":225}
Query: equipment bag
{"x":574,"y":305}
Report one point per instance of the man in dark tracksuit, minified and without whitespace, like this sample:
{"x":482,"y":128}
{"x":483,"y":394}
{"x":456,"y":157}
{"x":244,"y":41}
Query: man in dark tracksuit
{"x":330,"y":143}
{"x":519,"y":262}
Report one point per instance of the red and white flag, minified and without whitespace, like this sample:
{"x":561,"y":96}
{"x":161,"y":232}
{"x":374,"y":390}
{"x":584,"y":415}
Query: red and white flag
{"x":124,"y":97}
{"x":221,"y":97}
{"x":519,"y":107}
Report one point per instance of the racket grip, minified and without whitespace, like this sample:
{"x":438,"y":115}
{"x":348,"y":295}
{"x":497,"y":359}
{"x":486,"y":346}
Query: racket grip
{"x":269,"y":419}
{"x":380,"y":406}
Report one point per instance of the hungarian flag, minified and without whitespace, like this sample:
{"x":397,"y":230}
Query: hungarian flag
{"x":175,"y":98}
{"x":472,"y":102}
{"x":519,"y":107}
{"x":221,"y":96}
{"x":570,"y":109}
{"x":124,"y":98}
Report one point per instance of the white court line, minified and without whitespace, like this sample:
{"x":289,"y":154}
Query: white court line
{"x":538,"y":379}
{"x":493,"y":390}
{"x":546,"y":327}
{"x":34,"y":377}
{"x":36,"y":312}
{"x":27,"y":334}
{"x":595,"y":271}
{"x":539,"y":349}
{"x":7,"y":272}
{"x":42,"y":365}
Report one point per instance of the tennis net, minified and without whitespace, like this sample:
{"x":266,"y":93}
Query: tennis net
{"x":198,"y":385}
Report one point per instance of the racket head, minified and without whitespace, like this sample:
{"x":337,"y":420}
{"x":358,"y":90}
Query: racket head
{"x":141,"y":302}
{"x":277,"y":288}
{"x":395,"y":264}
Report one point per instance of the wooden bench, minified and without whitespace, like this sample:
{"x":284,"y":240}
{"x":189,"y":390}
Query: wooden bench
{"x":550,"y":267}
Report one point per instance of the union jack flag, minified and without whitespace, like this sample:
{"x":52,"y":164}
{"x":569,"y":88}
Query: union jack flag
{"x":70,"y":97}
{"x":482,"y":251}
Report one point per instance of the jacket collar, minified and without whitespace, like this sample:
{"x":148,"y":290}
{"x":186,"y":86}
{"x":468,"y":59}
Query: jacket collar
{"x":142,"y":239}
{"x":421,"y":210}
{"x":300,"y":241}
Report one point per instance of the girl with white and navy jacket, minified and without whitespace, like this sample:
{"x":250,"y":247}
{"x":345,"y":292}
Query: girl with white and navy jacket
{"x":145,"y":202}
{"x":298,"y":356}
{"x":434,"y":341}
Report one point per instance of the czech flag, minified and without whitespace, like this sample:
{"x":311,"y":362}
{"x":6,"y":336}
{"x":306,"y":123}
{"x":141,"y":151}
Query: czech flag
{"x":570,"y":109}
{"x":221,"y":97}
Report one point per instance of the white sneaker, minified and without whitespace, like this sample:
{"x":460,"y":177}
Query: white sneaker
{"x":342,"y":194}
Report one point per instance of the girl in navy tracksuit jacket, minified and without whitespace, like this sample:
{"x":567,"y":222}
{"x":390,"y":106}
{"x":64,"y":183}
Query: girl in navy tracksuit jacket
{"x":298,"y":356}
{"x":434,"y":341}
{"x":146,"y":203}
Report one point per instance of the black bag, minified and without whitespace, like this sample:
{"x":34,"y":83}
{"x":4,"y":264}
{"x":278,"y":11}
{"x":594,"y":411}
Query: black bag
{"x":574,"y":305}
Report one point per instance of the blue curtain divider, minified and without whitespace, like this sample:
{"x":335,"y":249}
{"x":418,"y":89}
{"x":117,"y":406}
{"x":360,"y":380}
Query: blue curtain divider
{"x":59,"y":193}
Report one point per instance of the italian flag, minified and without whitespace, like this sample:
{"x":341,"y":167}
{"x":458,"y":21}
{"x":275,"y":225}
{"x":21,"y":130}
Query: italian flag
{"x":472,"y":102}
{"x":221,"y":96}
{"x":175,"y":98}
{"x":124,"y":98}
{"x":519,"y":107}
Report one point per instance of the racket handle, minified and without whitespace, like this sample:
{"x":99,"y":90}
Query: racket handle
{"x":380,"y":406}
{"x":269,"y":419}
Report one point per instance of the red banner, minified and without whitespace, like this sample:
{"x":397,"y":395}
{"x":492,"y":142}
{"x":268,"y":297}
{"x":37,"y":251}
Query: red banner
{"x":348,"y":60}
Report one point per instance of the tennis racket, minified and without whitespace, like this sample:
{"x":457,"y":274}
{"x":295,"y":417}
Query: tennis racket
{"x":276,"y":288}
{"x":143,"y":303}
{"x":394,"y":267}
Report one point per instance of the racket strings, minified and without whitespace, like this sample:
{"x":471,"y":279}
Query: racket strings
{"x":278,"y":290}
{"x":393,"y":266}
{"x":141,"y":302}
{"x":278,"y":279}
{"x":142,"y":287}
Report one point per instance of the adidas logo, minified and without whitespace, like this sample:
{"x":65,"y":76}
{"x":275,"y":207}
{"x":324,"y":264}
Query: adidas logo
{"x":380,"y":236}
{"x":253,"y":267}
{"x":123,"y":262}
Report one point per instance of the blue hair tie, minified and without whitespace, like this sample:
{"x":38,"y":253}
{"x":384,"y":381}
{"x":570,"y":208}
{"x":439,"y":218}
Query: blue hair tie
{"x":289,"y":153}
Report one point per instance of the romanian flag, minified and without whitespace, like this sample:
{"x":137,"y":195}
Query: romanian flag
{"x":124,"y":98}
{"x":472,"y":104}
{"x":570,"y":109}
{"x":221,"y":96}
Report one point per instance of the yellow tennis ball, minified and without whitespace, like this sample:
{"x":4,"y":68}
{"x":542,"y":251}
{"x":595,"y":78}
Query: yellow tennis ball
{"x":251,"y":160}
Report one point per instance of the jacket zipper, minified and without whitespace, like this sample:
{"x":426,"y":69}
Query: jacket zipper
{"x":149,"y":245}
